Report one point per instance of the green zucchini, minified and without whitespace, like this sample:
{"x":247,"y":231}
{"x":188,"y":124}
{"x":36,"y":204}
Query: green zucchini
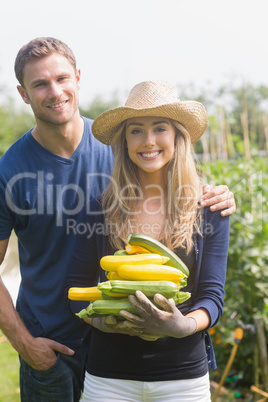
{"x":149,"y":288}
{"x":107,"y":307}
{"x":181,"y":297}
{"x":121,"y":252}
{"x":155,"y":246}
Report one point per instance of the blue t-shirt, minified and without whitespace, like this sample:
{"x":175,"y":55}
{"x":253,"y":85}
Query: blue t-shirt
{"x":44,"y":198}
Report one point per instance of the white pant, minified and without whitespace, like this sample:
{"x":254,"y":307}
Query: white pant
{"x":99,"y":389}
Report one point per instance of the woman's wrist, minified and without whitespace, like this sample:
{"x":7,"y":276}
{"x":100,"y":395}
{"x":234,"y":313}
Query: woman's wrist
{"x":193,"y":326}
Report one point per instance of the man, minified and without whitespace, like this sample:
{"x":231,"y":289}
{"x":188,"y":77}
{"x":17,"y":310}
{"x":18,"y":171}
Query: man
{"x":46,"y":180}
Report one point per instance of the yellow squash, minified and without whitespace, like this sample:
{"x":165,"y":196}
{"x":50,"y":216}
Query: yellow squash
{"x":131,"y":249}
{"x":112,"y":262}
{"x":150,"y":272}
{"x":88,"y":294}
{"x":113,"y":276}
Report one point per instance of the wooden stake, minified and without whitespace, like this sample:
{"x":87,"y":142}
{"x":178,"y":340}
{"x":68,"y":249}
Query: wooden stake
{"x":265,"y":124}
{"x":213,"y":153}
{"x":222,"y":134}
{"x":204,"y":141}
{"x":244,"y":121}
{"x":259,"y":392}
{"x":262,"y":351}
{"x":229,"y":138}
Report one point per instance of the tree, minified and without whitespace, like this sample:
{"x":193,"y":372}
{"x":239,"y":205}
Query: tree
{"x":98,"y":106}
{"x":14,"y":123}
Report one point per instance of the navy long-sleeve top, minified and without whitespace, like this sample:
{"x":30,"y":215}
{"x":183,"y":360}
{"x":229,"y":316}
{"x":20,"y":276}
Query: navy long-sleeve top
{"x":129,"y":357}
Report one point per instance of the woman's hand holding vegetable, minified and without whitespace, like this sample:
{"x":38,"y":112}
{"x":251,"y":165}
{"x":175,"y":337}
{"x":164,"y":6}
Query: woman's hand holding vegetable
{"x":167,"y":321}
{"x":110,"y":324}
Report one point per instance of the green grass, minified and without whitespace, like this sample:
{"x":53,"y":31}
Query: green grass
{"x":9,"y":372}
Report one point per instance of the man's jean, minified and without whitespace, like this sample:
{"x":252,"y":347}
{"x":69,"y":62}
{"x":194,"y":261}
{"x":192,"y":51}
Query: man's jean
{"x":60,"y":383}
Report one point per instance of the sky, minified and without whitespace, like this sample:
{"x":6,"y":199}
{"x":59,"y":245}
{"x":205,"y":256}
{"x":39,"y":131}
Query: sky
{"x":118,"y":43}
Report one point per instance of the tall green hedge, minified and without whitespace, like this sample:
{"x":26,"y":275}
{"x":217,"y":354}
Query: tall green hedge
{"x":247,"y":274}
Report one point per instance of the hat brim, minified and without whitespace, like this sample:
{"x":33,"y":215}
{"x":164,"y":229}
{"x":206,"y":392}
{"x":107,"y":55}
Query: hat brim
{"x":191,"y":114}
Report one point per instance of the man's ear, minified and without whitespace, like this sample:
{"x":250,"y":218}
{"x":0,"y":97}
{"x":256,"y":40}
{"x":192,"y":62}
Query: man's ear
{"x":23,"y":94}
{"x":78,"y":77}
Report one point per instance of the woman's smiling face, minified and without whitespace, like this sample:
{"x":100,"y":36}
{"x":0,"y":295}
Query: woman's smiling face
{"x":150,"y":142}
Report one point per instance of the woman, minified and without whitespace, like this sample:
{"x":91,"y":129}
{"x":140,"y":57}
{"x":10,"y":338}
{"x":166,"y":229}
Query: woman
{"x":154,"y":190}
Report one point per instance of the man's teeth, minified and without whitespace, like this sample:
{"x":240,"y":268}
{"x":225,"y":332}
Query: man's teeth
{"x":150,"y":155}
{"x":57,"y":105}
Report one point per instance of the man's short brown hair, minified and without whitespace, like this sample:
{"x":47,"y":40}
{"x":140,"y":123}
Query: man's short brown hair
{"x":38,"y":48}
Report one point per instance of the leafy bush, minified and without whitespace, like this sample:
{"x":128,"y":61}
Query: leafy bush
{"x":14,"y":123}
{"x":247,"y":276}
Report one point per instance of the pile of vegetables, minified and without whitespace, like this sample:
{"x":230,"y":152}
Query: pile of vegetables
{"x":146,"y":265}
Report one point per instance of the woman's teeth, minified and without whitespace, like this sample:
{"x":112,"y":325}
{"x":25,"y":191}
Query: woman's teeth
{"x":150,"y":154}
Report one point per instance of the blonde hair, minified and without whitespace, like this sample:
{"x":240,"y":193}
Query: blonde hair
{"x":183,"y":191}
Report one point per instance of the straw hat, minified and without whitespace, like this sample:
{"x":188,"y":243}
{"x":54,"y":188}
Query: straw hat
{"x":152,"y":98}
